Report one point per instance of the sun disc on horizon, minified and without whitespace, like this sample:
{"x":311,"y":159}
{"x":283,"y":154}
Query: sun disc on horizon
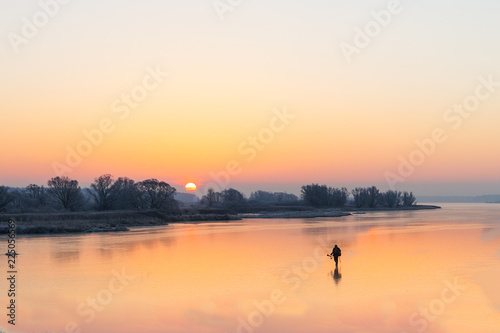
{"x":191,"y":187}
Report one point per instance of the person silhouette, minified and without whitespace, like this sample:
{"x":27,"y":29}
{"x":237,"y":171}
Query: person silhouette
{"x":336,"y":253}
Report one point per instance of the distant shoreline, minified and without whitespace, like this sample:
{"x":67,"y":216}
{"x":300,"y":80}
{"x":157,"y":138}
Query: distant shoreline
{"x":330,"y":212}
{"x":90,"y":222}
{"x":120,"y":221}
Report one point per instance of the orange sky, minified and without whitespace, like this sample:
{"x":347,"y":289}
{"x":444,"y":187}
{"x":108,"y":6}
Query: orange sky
{"x":350,"y":121}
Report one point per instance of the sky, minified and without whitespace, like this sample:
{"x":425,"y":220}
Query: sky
{"x":253,"y":94}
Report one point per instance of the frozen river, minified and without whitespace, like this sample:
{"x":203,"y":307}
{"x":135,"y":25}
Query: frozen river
{"x":408,"y":271}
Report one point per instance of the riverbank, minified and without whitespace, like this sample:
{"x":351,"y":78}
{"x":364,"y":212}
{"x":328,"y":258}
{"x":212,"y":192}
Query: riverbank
{"x":296,"y":214}
{"x":328,"y":212}
{"x":119,"y":221}
{"x":88,"y":222}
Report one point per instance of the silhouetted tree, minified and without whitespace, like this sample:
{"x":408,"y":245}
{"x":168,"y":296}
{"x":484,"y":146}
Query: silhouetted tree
{"x":37,"y":193}
{"x":282,"y":197}
{"x":125,"y":193}
{"x":392,"y":198}
{"x":218,"y":197}
{"x":67,"y":192}
{"x":210,"y":198}
{"x":338,"y":196}
{"x":322,"y":196}
{"x":408,"y":199}
{"x":28,"y":199}
{"x":276,"y":197}
{"x":361,"y":197}
{"x":156,"y":194}
{"x":20,"y":202}
{"x":5,"y":197}
{"x":372,"y":196}
{"x":315,"y":195}
{"x":263,"y":196}
{"x":232,"y":196}
{"x":102,"y":192}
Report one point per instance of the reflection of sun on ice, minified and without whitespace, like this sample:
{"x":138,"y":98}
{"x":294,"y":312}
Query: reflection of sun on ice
{"x":191,"y":186}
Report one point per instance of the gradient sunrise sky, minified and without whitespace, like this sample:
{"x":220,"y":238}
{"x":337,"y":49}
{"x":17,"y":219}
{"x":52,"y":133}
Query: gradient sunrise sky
{"x":353,"y":116}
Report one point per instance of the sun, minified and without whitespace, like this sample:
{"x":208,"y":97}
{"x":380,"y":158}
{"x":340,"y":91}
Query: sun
{"x":191,"y":187}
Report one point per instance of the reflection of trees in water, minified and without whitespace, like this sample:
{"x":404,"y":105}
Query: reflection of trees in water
{"x":340,"y":234}
{"x":65,"y":249}
{"x":107,"y":245}
{"x":337,"y":227}
{"x":489,"y":234}
{"x":132,"y":242}
{"x":66,"y":256}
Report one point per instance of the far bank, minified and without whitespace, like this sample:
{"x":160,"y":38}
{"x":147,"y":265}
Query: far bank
{"x":119,"y":221}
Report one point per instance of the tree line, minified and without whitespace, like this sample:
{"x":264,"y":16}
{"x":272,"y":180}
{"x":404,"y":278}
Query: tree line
{"x":231,"y":198}
{"x":323,"y":196}
{"x":107,"y":193}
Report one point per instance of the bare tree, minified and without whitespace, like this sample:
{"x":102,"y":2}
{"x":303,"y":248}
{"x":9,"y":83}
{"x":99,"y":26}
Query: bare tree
{"x":102,"y":191}
{"x":210,"y":198}
{"x":263,"y":196}
{"x":66,"y":191}
{"x":125,"y":193}
{"x":156,"y":194}
{"x":283,"y":197}
{"x":36,"y":193}
{"x":408,"y":199}
{"x":373,"y":196}
{"x":218,"y":197}
{"x":392,"y":198}
{"x":5,"y":197}
{"x":338,"y":196}
{"x":361,"y":197}
{"x":323,"y":196}
{"x":316,"y":195}
{"x":20,"y":202}
{"x":232,"y":196}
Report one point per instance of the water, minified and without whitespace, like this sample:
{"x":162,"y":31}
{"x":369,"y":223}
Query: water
{"x":416,"y":271}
